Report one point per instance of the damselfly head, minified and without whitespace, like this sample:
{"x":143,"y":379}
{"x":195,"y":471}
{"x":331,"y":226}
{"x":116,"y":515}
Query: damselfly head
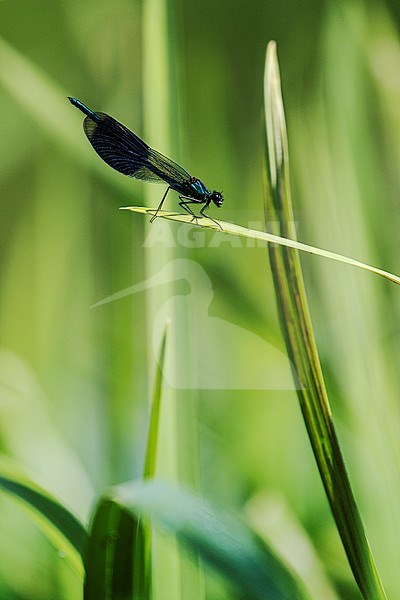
{"x":217,"y":198}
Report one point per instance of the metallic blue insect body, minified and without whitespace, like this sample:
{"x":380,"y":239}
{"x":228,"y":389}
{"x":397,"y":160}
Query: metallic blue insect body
{"x":125,"y":152}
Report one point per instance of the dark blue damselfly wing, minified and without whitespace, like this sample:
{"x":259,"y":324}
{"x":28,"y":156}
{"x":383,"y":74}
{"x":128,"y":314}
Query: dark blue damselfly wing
{"x":125,"y":152}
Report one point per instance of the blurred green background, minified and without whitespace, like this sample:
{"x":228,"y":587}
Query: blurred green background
{"x":75,"y":380}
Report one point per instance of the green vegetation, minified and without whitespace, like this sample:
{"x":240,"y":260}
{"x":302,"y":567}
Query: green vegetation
{"x":222,"y":500}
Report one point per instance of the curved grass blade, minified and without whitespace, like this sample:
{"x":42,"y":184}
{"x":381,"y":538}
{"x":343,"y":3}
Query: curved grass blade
{"x":301,"y":345}
{"x":223,"y":541}
{"x":263,"y":236}
{"x":57,"y":523}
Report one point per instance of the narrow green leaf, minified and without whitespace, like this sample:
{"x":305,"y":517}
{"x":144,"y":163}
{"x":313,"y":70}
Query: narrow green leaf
{"x":152,"y":438}
{"x":59,"y":525}
{"x":301,"y":345}
{"x":222,"y":540}
{"x":270,"y":238}
{"x":143,"y":556}
{"x":110,"y":555}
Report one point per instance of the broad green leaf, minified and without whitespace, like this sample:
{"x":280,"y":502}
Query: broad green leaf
{"x":61,"y":527}
{"x":220,"y":539}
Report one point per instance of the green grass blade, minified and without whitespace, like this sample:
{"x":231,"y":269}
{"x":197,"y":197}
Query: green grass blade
{"x":232,"y":229}
{"x":301,"y":345}
{"x":223,"y":541}
{"x":152,"y":438}
{"x":114,"y":538}
{"x":57,"y":523}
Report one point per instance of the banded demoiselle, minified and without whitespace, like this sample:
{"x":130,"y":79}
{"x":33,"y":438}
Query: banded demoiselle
{"x":125,"y":152}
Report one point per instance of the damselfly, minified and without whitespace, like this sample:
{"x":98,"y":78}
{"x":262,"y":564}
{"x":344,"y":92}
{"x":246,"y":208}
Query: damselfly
{"x":125,"y":152}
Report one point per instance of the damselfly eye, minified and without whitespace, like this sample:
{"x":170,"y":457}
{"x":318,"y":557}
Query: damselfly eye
{"x":217,"y":198}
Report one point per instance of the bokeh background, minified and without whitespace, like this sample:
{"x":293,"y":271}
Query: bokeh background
{"x":75,"y":381}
